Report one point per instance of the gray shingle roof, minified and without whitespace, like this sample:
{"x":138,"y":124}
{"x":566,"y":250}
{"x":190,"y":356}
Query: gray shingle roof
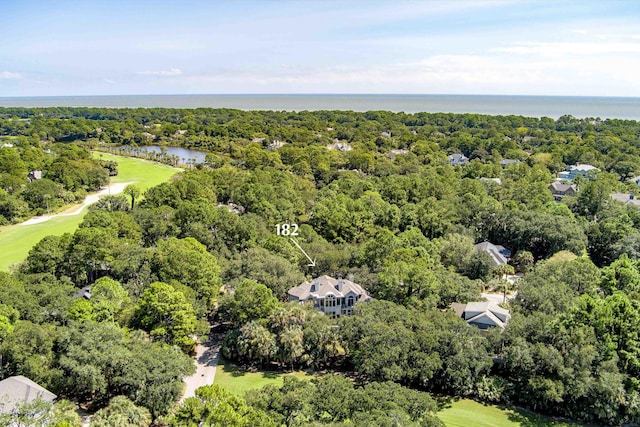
{"x":499,"y":254}
{"x":560,"y":187}
{"x":19,"y":389}
{"x":458,"y":158}
{"x":482,"y":313}
{"x":627,"y":199}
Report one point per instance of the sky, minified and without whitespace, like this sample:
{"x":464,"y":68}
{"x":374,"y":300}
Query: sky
{"x":126,"y":47}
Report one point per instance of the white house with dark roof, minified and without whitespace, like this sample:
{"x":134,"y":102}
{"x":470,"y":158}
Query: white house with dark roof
{"x":499,"y":254}
{"x":334,"y":297}
{"x":19,"y":390}
{"x":483,"y":314}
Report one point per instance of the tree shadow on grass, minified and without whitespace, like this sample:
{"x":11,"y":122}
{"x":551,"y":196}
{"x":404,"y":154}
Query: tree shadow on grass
{"x":525,"y":418}
{"x":444,"y":402}
{"x":230,"y":368}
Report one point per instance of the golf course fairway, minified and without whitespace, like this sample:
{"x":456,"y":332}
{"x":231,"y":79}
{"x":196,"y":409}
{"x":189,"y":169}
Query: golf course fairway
{"x":17,"y":240}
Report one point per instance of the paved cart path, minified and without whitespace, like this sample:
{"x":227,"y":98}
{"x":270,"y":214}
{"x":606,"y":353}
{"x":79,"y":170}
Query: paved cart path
{"x":116,"y":188}
{"x":207,"y":356}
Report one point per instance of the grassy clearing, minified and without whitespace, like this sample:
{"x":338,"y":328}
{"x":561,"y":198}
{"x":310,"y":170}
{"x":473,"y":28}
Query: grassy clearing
{"x":16,"y":241}
{"x":144,"y":173}
{"x":465,"y":413}
{"x":239,"y":382}
{"x":458,"y":413}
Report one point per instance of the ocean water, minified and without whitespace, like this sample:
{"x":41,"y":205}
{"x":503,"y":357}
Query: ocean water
{"x":531,"y":106}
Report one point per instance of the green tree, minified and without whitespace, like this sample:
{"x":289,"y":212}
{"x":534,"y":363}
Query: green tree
{"x":256,"y":343}
{"x":407,"y":273}
{"x":187,"y":261}
{"x":165,"y":313}
{"x":121,"y":412}
{"x":214,"y":406}
{"x":134,"y":192}
{"x":109,"y":298}
{"x":250,"y":301}
{"x":111,"y":203}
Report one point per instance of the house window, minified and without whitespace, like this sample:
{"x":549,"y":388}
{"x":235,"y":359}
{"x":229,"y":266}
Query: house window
{"x":350,"y":301}
{"x":330,"y":301}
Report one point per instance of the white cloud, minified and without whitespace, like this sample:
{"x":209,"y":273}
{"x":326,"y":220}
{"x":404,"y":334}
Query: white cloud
{"x":559,"y":49}
{"x":8,"y":75}
{"x":487,"y":73}
{"x":109,"y":81}
{"x":163,"y":73}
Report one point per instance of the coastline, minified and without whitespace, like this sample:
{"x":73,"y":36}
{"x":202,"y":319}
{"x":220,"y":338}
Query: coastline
{"x":625,"y":108}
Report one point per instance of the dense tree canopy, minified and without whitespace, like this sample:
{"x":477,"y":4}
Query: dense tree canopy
{"x":373,"y":197}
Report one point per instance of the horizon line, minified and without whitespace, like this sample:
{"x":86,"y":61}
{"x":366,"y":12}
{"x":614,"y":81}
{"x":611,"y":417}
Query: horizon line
{"x":322,"y":94}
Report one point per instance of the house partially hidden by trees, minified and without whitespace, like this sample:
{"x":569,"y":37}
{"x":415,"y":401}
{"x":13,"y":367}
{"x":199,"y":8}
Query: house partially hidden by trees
{"x":627,"y":199}
{"x":19,"y":390}
{"x":484,"y":315}
{"x":499,"y":254}
{"x":506,"y":162}
{"x":559,"y":190}
{"x":334,"y":297}
{"x":578,"y":169}
{"x":458,"y":159}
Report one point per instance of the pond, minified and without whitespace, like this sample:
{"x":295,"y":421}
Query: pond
{"x":182,"y":155}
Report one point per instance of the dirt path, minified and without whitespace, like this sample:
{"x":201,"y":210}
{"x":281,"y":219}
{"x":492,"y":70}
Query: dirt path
{"x":207,"y":355}
{"x":116,"y":188}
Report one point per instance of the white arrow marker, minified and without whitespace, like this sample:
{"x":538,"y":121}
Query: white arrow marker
{"x":313,"y":261}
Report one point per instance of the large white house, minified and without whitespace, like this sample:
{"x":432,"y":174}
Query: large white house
{"x":334,"y":297}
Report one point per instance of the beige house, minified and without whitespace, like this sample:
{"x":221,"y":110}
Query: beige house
{"x":334,"y":297}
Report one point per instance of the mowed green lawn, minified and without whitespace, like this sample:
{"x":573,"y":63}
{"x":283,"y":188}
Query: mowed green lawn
{"x":239,"y":382}
{"x":466,"y":413}
{"x":459,"y":413}
{"x":17,"y":240}
{"x":144,"y":173}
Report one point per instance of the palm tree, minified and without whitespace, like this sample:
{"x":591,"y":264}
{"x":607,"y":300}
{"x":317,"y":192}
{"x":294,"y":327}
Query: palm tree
{"x":133,"y":191}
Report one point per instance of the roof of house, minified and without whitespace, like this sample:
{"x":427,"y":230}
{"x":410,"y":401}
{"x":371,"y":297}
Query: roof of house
{"x":341,"y":146}
{"x":505,"y":162}
{"x":498,"y":253}
{"x":483,"y":313}
{"x":560,"y":187}
{"x":627,"y":199}
{"x":496,"y":180}
{"x":84,"y":293}
{"x":458,"y":308}
{"x":276,"y":144}
{"x":325,"y":285}
{"x":457,"y":157}
{"x":19,"y":389}
{"x":581,"y":167}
